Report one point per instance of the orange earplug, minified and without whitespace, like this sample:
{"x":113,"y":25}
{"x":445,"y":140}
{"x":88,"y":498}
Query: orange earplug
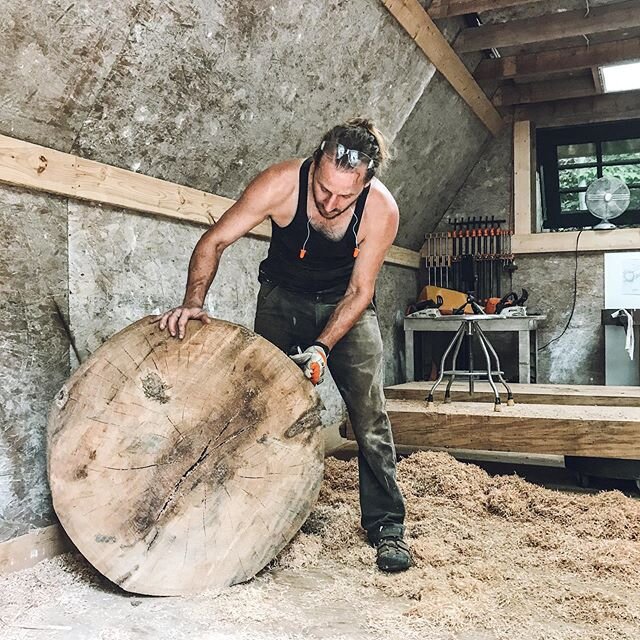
{"x":303,"y":253}
{"x":356,"y":251}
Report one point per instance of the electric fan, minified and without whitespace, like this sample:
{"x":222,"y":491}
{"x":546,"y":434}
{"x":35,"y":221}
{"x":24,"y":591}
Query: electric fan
{"x":607,"y":198}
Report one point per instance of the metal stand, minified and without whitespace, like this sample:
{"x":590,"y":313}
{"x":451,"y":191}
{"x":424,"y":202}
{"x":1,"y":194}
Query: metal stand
{"x":470,"y":328}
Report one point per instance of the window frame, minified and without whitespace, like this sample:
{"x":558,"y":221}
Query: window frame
{"x":547,"y":142}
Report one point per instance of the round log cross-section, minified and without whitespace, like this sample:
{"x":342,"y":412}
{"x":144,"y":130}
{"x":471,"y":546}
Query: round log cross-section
{"x":181,"y":465}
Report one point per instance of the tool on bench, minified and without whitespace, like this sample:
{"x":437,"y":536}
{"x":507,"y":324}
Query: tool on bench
{"x":450,"y":299}
{"x":510,"y":300}
{"x":421,"y":305}
{"x":469,"y":302}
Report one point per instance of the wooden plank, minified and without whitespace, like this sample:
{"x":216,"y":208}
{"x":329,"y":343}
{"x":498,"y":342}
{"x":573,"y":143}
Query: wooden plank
{"x":610,"y":106}
{"x":549,"y":429}
{"x":545,"y":91}
{"x":614,"y":240}
{"x":597,"y":79}
{"x":402,"y":257}
{"x":554,"y":26}
{"x":565,"y":394}
{"x":448,"y":8}
{"x":421,"y":28}
{"x":524,"y":190}
{"x":543,"y":63}
{"x":32,"y":166}
{"x":25,"y":551}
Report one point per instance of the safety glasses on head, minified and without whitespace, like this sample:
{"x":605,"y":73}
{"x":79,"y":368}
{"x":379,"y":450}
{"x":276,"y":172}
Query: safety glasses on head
{"x":340,"y":153}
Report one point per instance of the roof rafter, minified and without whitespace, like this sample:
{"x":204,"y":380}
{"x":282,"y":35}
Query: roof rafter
{"x":448,"y":8}
{"x":556,"y":26}
{"x":421,"y":28}
{"x":558,"y":61}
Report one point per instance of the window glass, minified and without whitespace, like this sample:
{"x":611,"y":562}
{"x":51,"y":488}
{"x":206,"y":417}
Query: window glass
{"x":571,"y":158}
{"x":577,"y":178}
{"x":572,"y":202}
{"x":616,"y":150}
{"x":628,"y":173}
{"x":572,"y":154}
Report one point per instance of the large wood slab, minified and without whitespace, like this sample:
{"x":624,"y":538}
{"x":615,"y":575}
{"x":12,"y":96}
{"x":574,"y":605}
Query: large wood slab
{"x":177,"y":466}
{"x":565,"y":394}
{"x":609,"y":432}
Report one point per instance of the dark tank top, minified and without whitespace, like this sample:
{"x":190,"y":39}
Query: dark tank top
{"x":327,"y":264}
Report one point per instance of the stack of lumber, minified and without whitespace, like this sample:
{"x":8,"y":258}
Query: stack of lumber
{"x":546,"y":419}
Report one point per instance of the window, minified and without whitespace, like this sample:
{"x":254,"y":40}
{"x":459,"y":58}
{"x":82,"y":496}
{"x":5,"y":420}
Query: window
{"x":571,"y":158}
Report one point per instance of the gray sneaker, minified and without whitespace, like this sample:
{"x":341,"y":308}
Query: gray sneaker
{"x":393,"y":554}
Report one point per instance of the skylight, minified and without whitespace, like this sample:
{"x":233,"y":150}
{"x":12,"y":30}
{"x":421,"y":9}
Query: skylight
{"x":621,"y":77}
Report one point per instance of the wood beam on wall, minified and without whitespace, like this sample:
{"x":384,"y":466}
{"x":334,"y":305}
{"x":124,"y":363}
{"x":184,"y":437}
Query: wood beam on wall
{"x":554,"y":26}
{"x":536,"y":65}
{"x":37,"y":545}
{"x":32,"y":166}
{"x":565,"y":241}
{"x":449,"y":8}
{"x":421,"y":28}
{"x":546,"y":91}
{"x":523,"y":177}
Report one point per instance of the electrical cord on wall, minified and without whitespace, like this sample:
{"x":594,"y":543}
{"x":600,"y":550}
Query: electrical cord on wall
{"x":575,"y":295}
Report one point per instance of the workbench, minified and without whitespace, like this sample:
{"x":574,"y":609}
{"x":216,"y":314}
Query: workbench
{"x":526,"y":327}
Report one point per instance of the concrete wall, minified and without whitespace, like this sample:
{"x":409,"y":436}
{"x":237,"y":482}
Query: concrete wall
{"x":34,"y":354}
{"x":202,"y":93}
{"x":576,"y":358}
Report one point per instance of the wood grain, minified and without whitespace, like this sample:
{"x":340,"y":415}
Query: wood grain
{"x":550,"y":429}
{"x":566,"y":394}
{"x":178,"y":466}
{"x":24,"y":551}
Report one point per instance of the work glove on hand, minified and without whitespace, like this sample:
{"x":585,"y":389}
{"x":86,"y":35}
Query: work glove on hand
{"x":313,"y":362}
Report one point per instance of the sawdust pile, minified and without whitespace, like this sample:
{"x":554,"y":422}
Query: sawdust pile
{"x":496,"y":558}
{"x":492,"y":553}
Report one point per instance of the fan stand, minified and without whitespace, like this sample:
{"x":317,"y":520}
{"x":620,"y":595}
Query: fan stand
{"x":605,"y":224}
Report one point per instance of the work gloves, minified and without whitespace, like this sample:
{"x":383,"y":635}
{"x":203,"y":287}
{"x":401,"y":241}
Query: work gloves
{"x":312,"y":361}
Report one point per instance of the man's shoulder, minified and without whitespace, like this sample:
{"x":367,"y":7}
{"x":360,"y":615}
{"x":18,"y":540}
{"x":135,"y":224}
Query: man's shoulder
{"x":381,"y":199}
{"x":277,"y":182}
{"x":287,"y":170}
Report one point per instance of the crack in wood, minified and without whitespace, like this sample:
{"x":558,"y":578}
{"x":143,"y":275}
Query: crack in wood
{"x":185,"y":475}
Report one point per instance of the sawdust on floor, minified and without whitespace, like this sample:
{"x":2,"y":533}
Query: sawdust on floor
{"x":495,"y":558}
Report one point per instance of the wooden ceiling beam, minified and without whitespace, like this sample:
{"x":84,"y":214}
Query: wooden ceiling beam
{"x":548,"y":91}
{"x":555,"y":26}
{"x":449,"y":8}
{"x":534,"y":65}
{"x":421,"y":28}
{"x":596,"y":108}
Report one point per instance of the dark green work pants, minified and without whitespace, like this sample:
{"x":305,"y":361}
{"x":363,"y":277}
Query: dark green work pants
{"x":290,"y":319}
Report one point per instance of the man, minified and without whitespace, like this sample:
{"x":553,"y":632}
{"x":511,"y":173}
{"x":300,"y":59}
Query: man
{"x":332,"y":224}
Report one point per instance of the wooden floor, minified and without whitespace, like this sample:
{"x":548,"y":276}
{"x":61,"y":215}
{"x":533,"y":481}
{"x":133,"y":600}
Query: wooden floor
{"x":525,"y":393}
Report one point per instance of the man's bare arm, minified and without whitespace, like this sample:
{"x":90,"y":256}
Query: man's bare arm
{"x":379,"y":238}
{"x":253,"y":207}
